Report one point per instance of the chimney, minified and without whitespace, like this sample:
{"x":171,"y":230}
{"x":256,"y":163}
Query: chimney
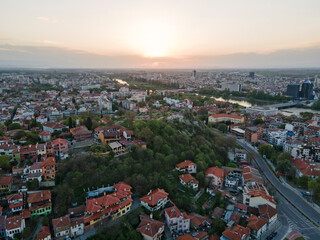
{"x":151,"y":215}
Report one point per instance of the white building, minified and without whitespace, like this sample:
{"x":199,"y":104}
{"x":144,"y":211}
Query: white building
{"x":176,"y":221}
{"x":14,"y":225}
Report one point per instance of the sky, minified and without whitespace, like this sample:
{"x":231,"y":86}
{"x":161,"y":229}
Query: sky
{"x":160,"y":34}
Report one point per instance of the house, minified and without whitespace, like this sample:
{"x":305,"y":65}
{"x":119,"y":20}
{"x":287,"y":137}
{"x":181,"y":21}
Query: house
{"x":60,"y":147}
{"x":15,"y":202}
{"x":236,"y":232}
{"x":34,"y":172}
{"x":6,"y":183}
{"x":52,"y":127}
{"x":116,"y":147}
{"x":44,"y":234}
{"x":186,"y":237}
{"x":307,"y":168}
{"x":189,"y":181}
{"x":81,"y":133}
{"x":215,"y":176}
{"x":187,"y":166}
{"x":14,"y":225}
{"x":39,"y":202}
{"x":61,"y":227}
{"x":128,"y":135}
{"x":45,"y":136}
{"x":49,"y":169}
{"x":222,"y":117}
{"x":199,"y":222}
{"x":41,"y":149}
{"x":251,"y":174}
{"x":76,"y":226}
{"x":151,"y":229}
{"x":110,"y":134}
{"x":42,"y":119}
{"x":154,"y":200}
{"x":257,"y":225}
{"x":268,"y":213}
{"x":255,"y":194}
{"x":176,"y":221}
{"x":108,"y":206}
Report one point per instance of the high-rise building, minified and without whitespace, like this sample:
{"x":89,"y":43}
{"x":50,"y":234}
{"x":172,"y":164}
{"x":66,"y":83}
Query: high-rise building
{"x":251,"y":75}
{"x":293,"y":90}
{"x":194,"y":74}
{"x":307,"y":90}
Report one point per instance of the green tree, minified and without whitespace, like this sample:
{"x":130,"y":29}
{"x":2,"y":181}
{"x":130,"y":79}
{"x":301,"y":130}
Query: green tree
{"x":303,"y":181}
{"x":5,"y":162}
{"x":218,"y":227}
{"x":14,"y":126}
{"x":258,"y":121}
{"x":222,"y":127}
{"x":88,"y":123}
{"x":267,"y":150}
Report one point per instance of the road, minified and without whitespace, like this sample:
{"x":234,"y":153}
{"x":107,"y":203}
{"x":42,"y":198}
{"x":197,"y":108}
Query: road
{"x":289,"y":204}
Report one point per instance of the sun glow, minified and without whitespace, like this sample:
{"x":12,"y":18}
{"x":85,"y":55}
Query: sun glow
{"x":153,"y":39}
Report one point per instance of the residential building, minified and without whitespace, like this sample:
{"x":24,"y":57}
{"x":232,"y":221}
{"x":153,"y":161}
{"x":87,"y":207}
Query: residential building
{"x":15,"y":202}
{"x":111,"y":206}
{"x":49,"y":169}
{"x":44,"y":234}
{"x":6,"y":183}
{"x":176,"y":221}
{"x":60,"y":147}
{"x":257,"y":225}
{"x":253,"y":134}
{"x":255,"y":194}
{"x":151,"y":229}
{"x":14,"y":225}
{"x":81,"y":133}
{"x":189,"y":181}
{"x":155,"y":200}
{"x":39,"y":202}
{"x":268,"y":213}
{"x":187,"y":166}
{"x":215,"y":176}
{"x":61,"y":227}
{"x":52,"y":127}
{"x":236,"y":232}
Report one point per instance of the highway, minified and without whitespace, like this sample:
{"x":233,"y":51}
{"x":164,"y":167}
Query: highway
{"x":291,"y":202}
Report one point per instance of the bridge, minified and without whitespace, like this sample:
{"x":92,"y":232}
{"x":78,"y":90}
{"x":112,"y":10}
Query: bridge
{"x":283,"y":105}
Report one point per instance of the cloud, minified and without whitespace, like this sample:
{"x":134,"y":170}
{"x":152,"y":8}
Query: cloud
{"x":45,"y":19}
{"x":49,"y":42}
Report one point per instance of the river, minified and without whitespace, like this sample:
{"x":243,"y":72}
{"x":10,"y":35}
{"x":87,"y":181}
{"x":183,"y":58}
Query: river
{"x":240,"y":102}
{"x":121,"y":81}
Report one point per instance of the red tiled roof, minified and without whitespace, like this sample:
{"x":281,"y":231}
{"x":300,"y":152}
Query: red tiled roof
{"x":185,"y":237}
{"x":266,"y":211}
{"x":44,"y":233}
{"x":215,"y":171}
{"x":6,"y":179}
{"x":256,"y":223}
{"x":236,"y":233}
{"x":13,"y":222}
{"x":188,"y":178}
{"x":226,"y":115}
{"x":150,"y":227}
{"x":39,"y":196}
{"x":173,"y":212}
{"x":154,"y":196}
{"x":185,"y":164}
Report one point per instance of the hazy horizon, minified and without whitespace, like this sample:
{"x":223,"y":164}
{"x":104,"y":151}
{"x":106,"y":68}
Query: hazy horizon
{"x":146,"y":34}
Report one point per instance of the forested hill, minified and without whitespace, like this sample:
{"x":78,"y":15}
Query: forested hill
{"x":144,"y":169}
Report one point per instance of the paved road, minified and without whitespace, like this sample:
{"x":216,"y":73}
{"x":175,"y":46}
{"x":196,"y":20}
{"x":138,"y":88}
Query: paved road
{"x":290,"y":217}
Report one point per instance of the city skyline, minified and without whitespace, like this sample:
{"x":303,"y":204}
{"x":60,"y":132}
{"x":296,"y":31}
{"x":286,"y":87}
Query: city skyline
{"x":146,"y":34}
